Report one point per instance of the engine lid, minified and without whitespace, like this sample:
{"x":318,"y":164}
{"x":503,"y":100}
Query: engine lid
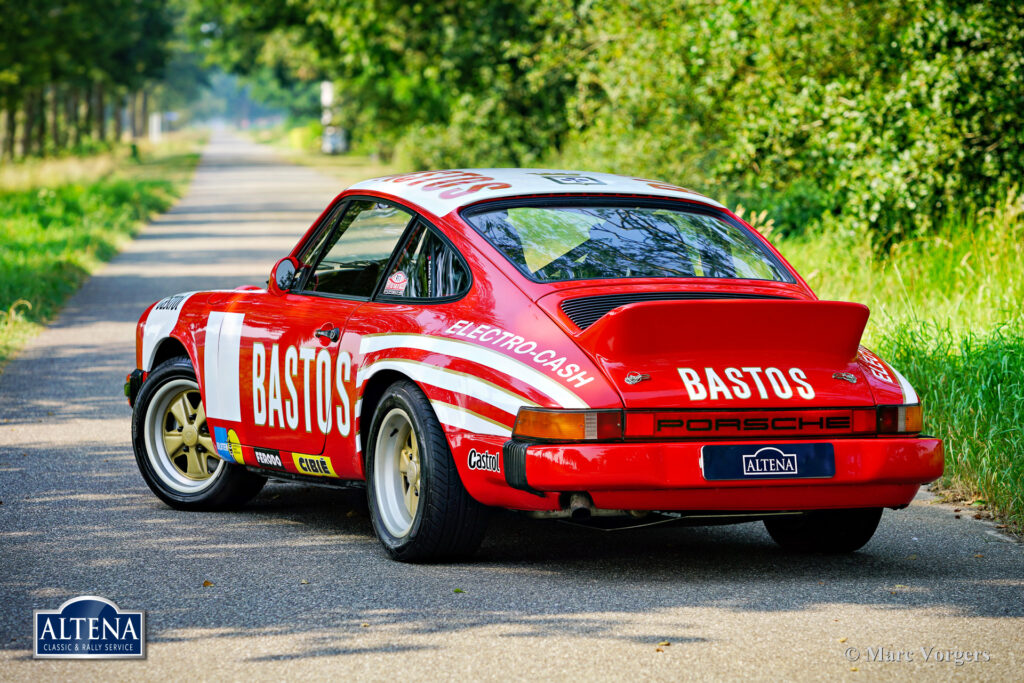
{"x":732,"y":354}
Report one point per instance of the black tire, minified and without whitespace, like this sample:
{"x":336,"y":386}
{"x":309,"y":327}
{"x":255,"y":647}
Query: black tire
{"x":825,"y":531}
{"x":227,"y":486}
{"x":447,"y":523}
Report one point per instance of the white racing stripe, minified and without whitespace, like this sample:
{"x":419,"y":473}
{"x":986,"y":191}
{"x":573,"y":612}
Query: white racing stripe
{"x":909,"y":395}
{"x":220,"y":366}
{"x":450,"y":380}
{"x":460,"y":418}
{"x":466,"y":351}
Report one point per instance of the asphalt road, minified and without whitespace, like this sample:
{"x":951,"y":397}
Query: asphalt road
{"x":301,"y":589}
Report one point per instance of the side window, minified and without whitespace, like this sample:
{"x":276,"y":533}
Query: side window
{"x":359,"y":249}
{"x":427,"y":268}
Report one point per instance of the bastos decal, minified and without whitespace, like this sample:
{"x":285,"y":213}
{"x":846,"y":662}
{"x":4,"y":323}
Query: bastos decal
{"x":746,"y":382}
{"x":275,"y":397}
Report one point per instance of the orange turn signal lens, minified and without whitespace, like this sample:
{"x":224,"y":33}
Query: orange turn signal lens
{"x":900,"y":419}
{"x":568,"y":425}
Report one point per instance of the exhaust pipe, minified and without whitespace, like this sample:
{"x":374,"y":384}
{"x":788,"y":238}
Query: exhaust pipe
{"x":580,"y":507}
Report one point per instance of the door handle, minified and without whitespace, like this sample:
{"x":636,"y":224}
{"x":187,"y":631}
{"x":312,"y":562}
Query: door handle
{"x":329,"y":333}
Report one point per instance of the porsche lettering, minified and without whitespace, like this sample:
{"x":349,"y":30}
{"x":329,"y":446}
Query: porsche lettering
{"x":757,"y":424}
{"x":745,"y":382}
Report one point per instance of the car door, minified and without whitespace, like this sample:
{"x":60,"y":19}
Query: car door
{"x":426,"y":273}
{"x":290,"y":341}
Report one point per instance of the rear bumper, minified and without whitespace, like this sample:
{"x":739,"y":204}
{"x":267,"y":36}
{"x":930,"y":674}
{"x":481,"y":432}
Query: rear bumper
{"x":869,"y":472}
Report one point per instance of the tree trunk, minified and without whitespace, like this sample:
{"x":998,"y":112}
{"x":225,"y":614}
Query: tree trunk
{"x":90,"y":111}
{"x":133,"y":114}
{"x":41,"y":119}
{"x":118,"y":118}
{"x":26,"y":130}
{"x":11,"y":129}
{"x":145,"y":112}
{"x":55,"y":129}
{"x":101,"y":113}
{"x":72,"y":104}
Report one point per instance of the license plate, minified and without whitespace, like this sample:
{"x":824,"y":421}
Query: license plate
{"x":765,"y":461}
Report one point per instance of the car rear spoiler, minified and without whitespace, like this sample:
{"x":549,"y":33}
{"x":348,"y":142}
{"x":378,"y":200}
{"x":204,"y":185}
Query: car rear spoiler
{"x":829,"y":330}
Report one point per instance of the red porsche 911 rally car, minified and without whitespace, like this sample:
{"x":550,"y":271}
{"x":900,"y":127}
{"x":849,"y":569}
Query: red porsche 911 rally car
{"x":571,"y":344}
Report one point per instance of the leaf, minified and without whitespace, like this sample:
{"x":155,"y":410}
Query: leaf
{"x":207,"y":584}
{"x":458,"y":590}
{"x":664,"y":643}
{"x":304,"y":582}
{"x":842,"y":640}
{"x":364,"y":625}
{"x":911,"y":557}
{"x":979,"y":555}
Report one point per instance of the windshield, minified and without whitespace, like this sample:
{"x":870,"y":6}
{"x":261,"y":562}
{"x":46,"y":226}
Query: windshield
{"x":606,"y":240}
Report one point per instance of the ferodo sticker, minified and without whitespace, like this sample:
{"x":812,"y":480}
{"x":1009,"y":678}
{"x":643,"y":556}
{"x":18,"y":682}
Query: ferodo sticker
{"x":268,"y":458}
{"x":396,"y":283}
{"x":569,"y":179}
{"x":486,"y":461}
{"x":316,"y":465}
{"x":742,"y":383}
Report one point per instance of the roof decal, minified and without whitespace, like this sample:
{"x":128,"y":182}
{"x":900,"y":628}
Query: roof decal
{"x":441,"y":192}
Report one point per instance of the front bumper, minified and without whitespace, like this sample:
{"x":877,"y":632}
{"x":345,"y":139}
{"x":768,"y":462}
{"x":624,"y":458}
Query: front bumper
{"x":869,"y":472}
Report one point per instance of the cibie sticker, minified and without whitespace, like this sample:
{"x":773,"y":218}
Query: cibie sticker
{"x":316,"y":465}
{"x":397,"y":283}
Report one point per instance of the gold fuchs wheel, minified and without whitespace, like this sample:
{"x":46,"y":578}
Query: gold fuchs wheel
{"x":174,"y":448}
{"x":420,"y":510}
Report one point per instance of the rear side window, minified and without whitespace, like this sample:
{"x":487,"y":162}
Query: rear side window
{"x":427,"y":268}
{"x":616,"y":240}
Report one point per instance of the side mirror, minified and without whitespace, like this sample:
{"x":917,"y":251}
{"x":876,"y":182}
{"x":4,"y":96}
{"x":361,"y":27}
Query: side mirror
{"x":282,"y":277}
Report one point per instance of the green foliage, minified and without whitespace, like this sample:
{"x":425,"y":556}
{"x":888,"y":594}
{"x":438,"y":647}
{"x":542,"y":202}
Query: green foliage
{"x":52,"y":237}
{"x":946,"y":311}
{"x":972,"y":388}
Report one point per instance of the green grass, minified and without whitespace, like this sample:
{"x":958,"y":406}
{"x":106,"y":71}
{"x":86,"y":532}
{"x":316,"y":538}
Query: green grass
{"x":58,"y":223}
{"x":947,"y":312}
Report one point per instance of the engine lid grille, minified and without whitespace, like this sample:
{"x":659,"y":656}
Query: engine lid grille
{"x":587,"y":310}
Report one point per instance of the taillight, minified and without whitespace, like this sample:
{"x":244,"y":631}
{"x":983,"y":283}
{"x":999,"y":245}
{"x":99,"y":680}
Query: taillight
{"x":568,"y":425}
{"x":900,"y":419}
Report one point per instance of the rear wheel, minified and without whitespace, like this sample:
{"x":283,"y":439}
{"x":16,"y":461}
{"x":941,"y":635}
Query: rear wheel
{"x":174,"y":448}
{"x":825,"y":531}
{"x":419,"y":508}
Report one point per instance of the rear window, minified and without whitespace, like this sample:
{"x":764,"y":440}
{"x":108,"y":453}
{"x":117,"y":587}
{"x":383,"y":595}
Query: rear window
{"x":605,"y":240}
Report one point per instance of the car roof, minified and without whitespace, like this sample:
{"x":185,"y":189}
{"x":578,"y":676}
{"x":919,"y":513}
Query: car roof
{"x":441,"y":192}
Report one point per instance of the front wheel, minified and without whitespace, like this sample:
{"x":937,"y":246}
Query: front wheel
{"x":420,"y":510}
{"x":174,"y":448}
{"x":825,"y":531}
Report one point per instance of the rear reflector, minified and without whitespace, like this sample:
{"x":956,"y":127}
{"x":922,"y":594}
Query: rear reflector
{"x":568,"y":425}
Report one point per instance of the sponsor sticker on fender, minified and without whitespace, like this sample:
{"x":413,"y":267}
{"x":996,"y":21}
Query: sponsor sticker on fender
{"x":489,"y":462}
{"x":549,"y":359}
{"x":315,"y":465}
